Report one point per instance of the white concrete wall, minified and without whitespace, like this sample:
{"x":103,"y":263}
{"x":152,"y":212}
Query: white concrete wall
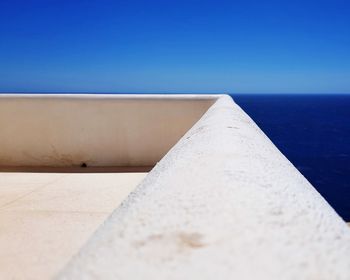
{"x":99,"y":130}
{"x":224,"y":203}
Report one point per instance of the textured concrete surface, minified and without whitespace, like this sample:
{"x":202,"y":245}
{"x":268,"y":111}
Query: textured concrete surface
{"x":224,"y":203}
{"x":45,"y":218}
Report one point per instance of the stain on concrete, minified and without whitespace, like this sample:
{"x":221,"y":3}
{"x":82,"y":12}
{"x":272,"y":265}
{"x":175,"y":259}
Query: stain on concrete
{"x":181,"y":240}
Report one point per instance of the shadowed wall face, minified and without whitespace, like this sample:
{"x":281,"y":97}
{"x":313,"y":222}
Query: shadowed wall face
{"x":66,"y":131}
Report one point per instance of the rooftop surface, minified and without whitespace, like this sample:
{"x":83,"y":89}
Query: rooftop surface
{"x":45,"y":218}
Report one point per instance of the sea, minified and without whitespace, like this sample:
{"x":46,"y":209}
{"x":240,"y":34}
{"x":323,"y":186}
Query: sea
{"x":313,"y":132}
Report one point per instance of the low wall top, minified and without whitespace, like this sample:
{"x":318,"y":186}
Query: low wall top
{"x":223,"y":203}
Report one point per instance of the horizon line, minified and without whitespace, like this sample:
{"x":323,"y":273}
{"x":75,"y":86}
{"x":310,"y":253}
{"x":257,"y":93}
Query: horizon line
{"x":181,"y":93}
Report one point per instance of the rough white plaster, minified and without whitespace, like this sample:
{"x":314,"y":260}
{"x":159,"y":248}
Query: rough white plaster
{"x":224,"y":203}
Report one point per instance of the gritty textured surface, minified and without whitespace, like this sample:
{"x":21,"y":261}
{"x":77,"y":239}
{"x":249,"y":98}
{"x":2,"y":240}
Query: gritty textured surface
{"x":224,"y":203}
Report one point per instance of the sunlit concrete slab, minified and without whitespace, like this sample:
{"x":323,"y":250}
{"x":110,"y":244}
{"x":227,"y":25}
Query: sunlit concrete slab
{"x":15,"y":186}
{"x":45,"y":218}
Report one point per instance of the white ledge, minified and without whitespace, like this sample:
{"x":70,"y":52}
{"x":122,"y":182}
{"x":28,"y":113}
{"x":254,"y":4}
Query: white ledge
{"x":224,"y":203}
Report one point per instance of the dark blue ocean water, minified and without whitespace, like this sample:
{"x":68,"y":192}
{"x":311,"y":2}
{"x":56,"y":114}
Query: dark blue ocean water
{"x":313,"y":132}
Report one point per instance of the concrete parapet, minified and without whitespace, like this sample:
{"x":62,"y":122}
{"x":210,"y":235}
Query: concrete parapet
{"x":223,"y":203}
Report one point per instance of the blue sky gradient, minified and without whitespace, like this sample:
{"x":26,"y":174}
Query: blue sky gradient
{"x":175,"y":46}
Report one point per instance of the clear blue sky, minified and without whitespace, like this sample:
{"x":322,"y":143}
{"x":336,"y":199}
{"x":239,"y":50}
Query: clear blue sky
{"x":175,"y":46}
